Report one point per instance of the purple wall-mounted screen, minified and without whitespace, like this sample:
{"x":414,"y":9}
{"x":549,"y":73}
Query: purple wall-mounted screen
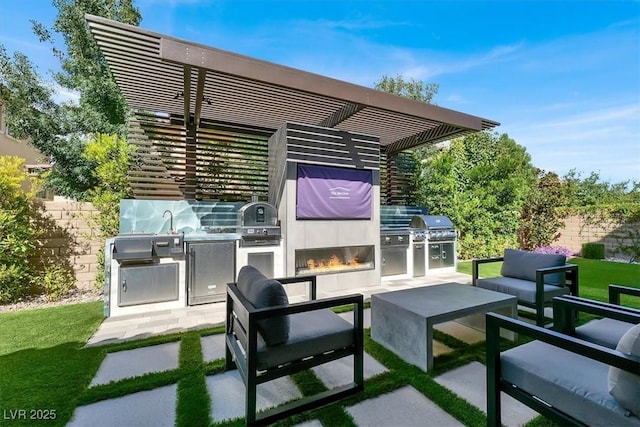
{"x":333,"y":193}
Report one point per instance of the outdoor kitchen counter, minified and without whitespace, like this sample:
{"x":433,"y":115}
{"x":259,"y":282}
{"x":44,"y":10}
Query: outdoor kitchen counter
{"x":211,"y":237}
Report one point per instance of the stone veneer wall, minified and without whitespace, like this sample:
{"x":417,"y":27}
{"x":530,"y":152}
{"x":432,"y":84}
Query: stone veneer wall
{"x":68,"y":239}
{"x":575,"y":233}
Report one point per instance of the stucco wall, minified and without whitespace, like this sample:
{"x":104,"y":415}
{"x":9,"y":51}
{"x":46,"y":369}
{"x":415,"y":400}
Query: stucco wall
{"x":68,"y":239}
{"x":577,"y":231}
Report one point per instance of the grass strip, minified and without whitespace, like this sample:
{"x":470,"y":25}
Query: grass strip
{"x":127,"y":386}
{"x":194,"y":405}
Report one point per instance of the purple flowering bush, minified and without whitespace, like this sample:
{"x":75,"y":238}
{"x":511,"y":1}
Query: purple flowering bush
{"x":560,"y":250}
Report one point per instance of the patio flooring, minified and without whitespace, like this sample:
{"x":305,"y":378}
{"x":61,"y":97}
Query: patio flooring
{"x":132,"y":327}
{"x":405,"y":406}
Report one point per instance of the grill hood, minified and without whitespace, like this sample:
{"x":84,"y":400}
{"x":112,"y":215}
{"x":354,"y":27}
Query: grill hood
{"x":431,"y":222}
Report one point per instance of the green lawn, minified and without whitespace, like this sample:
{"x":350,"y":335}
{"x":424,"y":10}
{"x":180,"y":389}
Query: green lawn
{"x":43,"y":365}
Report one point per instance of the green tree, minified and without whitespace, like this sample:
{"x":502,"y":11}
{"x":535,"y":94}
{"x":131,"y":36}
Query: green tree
{"x":481,"y":182}
{"x":61,"y":131}
{"x":542,"y":214}
{"x":412,"y":88}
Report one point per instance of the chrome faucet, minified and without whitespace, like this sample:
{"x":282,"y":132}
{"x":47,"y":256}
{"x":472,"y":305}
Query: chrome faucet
{"x":171,"y":231}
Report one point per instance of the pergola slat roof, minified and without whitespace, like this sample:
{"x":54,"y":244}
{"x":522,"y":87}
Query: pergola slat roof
{"x":160,"y":73}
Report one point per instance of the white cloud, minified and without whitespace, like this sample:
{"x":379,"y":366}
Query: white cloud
{"x":63,"y":95}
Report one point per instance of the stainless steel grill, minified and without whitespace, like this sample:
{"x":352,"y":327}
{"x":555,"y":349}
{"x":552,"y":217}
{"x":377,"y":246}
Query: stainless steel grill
{"x":258,"y":225}
{"x":435,"y":227}
{"x":440,"y":236}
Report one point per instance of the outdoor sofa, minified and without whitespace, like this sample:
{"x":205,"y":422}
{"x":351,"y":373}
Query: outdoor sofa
{"x":569,"y":380}
{"x":534,"y":278}
{"x":268,"y":338}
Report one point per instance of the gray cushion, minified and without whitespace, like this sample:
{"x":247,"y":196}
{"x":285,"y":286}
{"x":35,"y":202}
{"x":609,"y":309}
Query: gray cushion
{"x":523,"y":265}
{"x":573,"y":383}
{"x":262,"y":293}
{"x":524,"y":290}
{"x":311,"y":333}
{"x":605,"y":332}
{"x":624,"y":386}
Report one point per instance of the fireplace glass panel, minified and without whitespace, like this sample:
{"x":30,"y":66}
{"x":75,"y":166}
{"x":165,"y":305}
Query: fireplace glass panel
{"x":334,"y":259}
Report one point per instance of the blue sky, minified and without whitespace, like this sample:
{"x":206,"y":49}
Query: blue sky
{"x":562,"y":77}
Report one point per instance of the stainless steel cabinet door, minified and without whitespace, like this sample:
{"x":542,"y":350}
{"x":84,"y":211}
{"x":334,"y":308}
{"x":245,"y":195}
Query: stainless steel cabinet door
{"x":210,"y":266}
{"x":143,"y":284}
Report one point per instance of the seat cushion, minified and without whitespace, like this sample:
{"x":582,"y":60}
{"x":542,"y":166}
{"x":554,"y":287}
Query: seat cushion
{"x":572,"y":383}
{"x":605,"y":332}
{"x":523,"y":265}
{"x":624,"y":386}
{"x":524,"y":290}
{"x":311,"y":333}
{"x":262,"y":293}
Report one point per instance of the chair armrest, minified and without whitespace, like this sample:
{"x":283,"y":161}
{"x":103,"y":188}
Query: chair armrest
{"x":564,"y":306}
{"x":475,"y":264}
{"x":616,"y":290}
{"x":568,"y":269}
{"x":570,"y":272}
{"x":300,"y":279}
{"x":494,"y":322}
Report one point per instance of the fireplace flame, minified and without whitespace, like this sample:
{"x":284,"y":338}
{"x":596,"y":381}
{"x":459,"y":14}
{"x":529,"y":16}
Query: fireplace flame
{"x":334,"y":263}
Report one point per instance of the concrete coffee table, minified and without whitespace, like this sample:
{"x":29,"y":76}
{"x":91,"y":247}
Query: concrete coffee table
{"x":403,"y":320}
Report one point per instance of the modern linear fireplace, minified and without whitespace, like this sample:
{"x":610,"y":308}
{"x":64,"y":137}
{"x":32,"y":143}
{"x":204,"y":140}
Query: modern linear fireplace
{"x":325,"y":183}
{"x":334,"y":260}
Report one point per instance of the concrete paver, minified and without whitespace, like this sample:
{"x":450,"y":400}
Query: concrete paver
{"x":227,"y":393}
{"x":134,"y":363}
{"x":213,"y":347}
{"x":405,"y":406}
{"x":153,"y":408}
{"x":470,"y":383}
{"x":340,"y":372}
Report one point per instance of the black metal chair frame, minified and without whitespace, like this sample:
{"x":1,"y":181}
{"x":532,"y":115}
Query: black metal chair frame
{"x":566,"y":308}
{"x":616,"y":290}
{"x":570,"y":279}
{"x":241,"y":311}
{"x":563,"y":319}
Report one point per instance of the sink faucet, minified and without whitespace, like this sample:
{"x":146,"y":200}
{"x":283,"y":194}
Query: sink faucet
{"x":171,"y":220}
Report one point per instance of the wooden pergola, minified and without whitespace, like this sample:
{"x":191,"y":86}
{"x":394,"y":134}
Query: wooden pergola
{"x":165,"y":80}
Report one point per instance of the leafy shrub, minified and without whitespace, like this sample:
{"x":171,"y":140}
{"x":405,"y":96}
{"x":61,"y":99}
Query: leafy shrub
{"x":17,"y":241}
{"x":560,"y":250}
{"x":56,"y":282}
{"x":593,"y":250}
{"x":13,"y":278}
{"x":111,"y":154}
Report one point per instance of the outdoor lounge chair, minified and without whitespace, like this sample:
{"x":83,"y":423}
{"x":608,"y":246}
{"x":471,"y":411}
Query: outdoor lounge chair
{"x":268,"y":338}
{"x":534,"y":278}
{"x":567,"y":379}
{"x":604,"y":331}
